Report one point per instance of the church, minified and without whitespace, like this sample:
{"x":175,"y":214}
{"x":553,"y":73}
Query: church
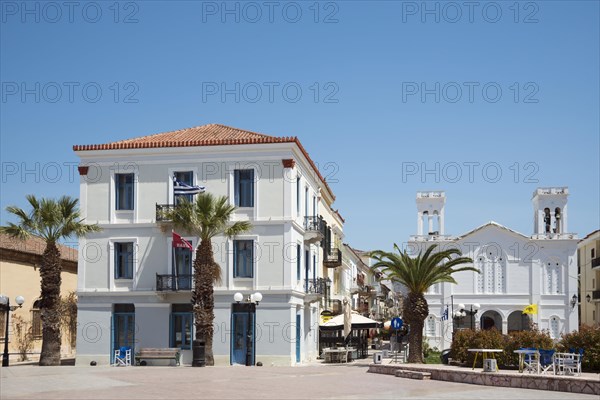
{"x":515,"y":271}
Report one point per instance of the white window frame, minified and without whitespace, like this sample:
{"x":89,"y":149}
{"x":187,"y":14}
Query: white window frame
{"x":122,"y":284}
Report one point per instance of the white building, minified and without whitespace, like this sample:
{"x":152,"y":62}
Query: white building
{"x":516,"y":270}
{"x":128,"y":294}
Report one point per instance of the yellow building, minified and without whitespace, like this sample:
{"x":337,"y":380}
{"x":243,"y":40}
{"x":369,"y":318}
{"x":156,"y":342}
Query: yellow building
{"x":588,"y":261}
{"x":20,"y":276}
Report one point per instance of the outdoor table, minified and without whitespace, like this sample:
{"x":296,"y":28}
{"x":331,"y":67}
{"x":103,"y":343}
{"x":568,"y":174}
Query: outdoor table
{"x":484,"y":354}
{"x":536,"y":354}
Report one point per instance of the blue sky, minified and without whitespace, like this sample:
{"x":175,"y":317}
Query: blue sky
{"x":376,"y":91}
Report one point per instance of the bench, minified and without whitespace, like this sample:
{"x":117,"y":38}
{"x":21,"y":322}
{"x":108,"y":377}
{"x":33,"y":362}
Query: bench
{"x":157,"y":354}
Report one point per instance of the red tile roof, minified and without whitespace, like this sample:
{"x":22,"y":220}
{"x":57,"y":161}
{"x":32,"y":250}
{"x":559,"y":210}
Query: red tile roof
{"x":34,"y":245}
{"x":205,"y":135}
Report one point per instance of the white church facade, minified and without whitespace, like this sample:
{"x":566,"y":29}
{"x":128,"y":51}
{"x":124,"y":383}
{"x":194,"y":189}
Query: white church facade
{"x":516,"y":270}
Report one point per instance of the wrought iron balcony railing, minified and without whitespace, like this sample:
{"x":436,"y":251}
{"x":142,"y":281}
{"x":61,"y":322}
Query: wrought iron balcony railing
{"x":174,"y":283}
{"x":162,"y":211}
{"x":313,"y":223}
{"x":315,"y":286}
{"x":595,"y":262}
{"x":332,"y":258}
{"x":596,"y":295}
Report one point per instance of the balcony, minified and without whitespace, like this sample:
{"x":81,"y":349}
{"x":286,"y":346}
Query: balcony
{"x":596,"y":295}
{"x":595,"y":262}
{"x":315,"y":289}
{"x":172,"y":283}
{"x":162,"y":210}
{"x":313,"y":229}
{"x":332,"y":258}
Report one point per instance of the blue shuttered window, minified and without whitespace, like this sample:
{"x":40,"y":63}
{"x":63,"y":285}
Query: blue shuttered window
{"x":244,"y":187}
{"x":243,"y":258}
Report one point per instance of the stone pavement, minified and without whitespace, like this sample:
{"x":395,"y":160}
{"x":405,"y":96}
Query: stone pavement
{"x":316,"y":381}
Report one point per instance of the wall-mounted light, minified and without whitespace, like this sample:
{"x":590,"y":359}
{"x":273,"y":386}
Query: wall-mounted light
{"x":574,"y":300}
{"x":588,"y":298}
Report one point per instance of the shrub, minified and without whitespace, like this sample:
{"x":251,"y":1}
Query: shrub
{"x":588,"y":339}
{"x":493,"y":339}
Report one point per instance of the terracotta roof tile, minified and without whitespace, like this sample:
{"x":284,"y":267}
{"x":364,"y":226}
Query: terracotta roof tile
{"x":35,"y":245}
{"x":205,"y":135}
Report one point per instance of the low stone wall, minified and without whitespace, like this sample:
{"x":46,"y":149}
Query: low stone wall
{"x":524,"y":381}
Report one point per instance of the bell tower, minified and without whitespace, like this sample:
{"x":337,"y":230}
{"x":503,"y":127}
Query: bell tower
{"x":430,"y":213}
{"x":550,"y":210}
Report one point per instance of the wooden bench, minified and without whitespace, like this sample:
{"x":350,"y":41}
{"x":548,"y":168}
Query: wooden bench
{"x":157,"y":354}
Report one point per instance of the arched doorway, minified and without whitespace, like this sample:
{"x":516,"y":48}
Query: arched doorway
{"x":517,"y":321}
{"x":491,"y":319}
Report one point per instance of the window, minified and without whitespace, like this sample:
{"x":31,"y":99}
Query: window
{"x":244,"y":187}
{"x":124,"y":190}
{"x":554,"y":328}
{"x":124,"y":260}
{"x":186,"y":177}
{"x":243,"y":258}
{"x":183,"y":268}
{"x":298,"y":262}
{"x":593,"y":253}
{"x":298,"y":195}
{"x":552,"y":279}
{"x":36,"y":320}
{"x":430,"y":326}
{"x":181,"y":326}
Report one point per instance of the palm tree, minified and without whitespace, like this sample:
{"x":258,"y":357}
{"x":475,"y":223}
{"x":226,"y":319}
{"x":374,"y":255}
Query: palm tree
{"x":418,"y":274}
{"x":51,"y":220}
{"x":206,"y":218}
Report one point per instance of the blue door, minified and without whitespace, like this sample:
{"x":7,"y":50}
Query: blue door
{"x":242,"y":338}
{"x":298,"y":337}
{"x":123,"y":332}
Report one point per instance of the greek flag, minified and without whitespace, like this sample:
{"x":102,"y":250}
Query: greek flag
{"x":445,"y":314}
{"x":183,"y":188}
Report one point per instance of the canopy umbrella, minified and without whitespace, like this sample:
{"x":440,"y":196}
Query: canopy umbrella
{"x":357,"y":322}
{"x":347,"y":319}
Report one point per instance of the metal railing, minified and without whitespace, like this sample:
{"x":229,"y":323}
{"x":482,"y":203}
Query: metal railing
{"x":173,"y":283}
{"x":596,"y":262}
{"x":596,"y":295}
{"x":313,"y":223}
{"x":162,"y":210}
{"x":332,"y":258}
{"x":315,"y":286}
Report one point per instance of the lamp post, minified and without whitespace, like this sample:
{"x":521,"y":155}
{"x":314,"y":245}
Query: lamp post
{"x":463,"y":312}
{"x":5,"y":306}
{"x":249,"y":307}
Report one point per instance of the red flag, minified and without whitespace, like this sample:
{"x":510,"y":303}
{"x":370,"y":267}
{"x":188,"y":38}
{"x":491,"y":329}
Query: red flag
{"x":178,"y":241}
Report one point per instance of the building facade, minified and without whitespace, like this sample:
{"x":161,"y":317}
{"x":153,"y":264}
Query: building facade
{"x":20,"y":276}
{"x":588,"y":261}
{"x":135,"y":287}
{"x":516,"y":270}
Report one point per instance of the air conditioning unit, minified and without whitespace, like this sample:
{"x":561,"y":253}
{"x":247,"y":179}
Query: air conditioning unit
{"x":489,"y":365}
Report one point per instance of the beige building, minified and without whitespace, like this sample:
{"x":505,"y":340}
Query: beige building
{"x":20,"y":276}
{"x":588,"y":265}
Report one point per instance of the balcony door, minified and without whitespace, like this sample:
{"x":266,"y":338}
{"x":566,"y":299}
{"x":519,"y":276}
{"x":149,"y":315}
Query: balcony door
{"x":186,"y":177}
{"x":182,"y":268}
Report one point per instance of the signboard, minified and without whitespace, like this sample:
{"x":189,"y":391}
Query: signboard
{"x":397,"y":323}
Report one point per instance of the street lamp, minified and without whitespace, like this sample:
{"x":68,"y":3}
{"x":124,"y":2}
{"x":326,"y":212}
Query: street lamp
{"x":463,"y":312}
{"x":248,"y":307}
{"x":574,"y":300}
{"x":5,"y":306}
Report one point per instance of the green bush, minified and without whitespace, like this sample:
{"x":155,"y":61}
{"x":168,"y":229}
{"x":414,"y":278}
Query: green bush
{"x":493,"y":339}
{"x":587,"y":338}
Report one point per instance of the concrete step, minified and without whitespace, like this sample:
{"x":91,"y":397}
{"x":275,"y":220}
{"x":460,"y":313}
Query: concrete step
{"x":402,"y":373}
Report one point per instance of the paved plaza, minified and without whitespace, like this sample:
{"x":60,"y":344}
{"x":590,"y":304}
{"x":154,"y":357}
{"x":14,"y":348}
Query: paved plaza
{"x":314,"y":381}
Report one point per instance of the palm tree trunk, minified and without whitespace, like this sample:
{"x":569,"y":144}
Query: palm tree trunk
{"x":415,"y":312}
{"x":203,"y":299}
{"x":49,"y":304}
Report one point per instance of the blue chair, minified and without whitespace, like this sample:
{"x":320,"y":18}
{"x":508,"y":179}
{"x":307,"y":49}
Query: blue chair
{"x":547,"y":361}
{"x":123,"y":357}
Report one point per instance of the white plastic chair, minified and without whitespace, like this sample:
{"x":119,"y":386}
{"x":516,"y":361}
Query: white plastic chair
{"x":123,"y":357}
